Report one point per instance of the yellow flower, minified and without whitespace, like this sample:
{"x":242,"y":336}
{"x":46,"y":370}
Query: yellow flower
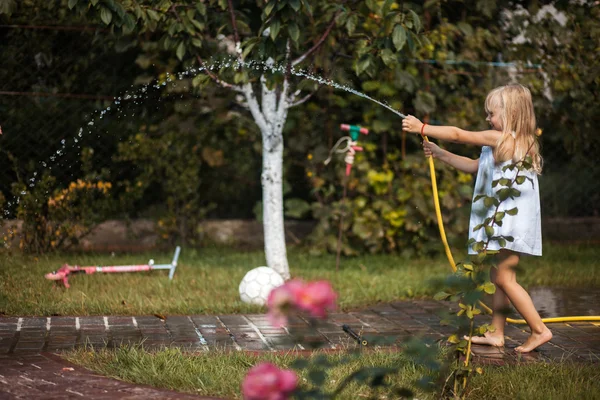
{"x":309,"y":156}
{"x":309,"y":174}
{"x":538,"y":132}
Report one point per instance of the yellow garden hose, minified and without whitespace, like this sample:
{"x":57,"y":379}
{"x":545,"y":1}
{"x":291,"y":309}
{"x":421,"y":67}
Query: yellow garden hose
{"x":438,"y":213}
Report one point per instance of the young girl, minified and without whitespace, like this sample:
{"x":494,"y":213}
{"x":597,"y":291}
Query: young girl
{"x":510,"y":139}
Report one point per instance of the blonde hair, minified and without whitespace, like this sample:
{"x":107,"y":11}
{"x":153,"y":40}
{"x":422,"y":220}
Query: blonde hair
{"x":513,"y":103}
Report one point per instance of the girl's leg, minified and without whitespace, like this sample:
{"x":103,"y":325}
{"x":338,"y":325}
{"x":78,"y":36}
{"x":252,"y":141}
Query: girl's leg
{"x":506,"y":280}
{"x":499,"y":306}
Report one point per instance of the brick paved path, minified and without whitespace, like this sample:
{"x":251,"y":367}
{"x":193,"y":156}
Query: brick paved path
{"x":29,"y":335}
{"x":47,"y":376}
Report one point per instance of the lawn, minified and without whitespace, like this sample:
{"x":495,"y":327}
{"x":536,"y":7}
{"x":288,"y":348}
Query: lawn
{"x":207,"y":279}
{"x":220,"y":374}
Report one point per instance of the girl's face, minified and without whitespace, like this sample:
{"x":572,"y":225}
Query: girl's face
{"x":493,"y":117}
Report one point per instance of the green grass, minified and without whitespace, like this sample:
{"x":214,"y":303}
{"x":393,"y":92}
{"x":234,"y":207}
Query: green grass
{"x":206,"y":280}
{"x":220,"y":374}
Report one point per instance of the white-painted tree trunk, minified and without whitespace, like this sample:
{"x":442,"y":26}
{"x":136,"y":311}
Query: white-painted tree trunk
{"x":272,"y":190}
{"x":270,"y":116}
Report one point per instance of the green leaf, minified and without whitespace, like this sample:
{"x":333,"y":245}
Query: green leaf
{"x":307,"y":6}
{"x":274,"y":29}
{"x":453,"y":338}
{"x":362,"y":65}
{"x":317,"y":377}
{"x":201,"y":8}
{"x":200,"y":80}
{"x":488,"y":287}
{"x":153,"y":15}
{"x":388,"y":57}
{"x":499,"y":215}
{"x":197,"y":43}
{"x":503,"y":194}
{"x":512,"y":211}
{"x":489,"y":231}
{"x":180,"y":52}
{"x":296,"y":208}
{"x":441,"y":296}
{"x":370,"y":86}
{"x":425,"y":102}
{"x":294,"y":31}
{"x":71,"y":4}
{"x":295,"y":4}
{"x":416,"y":20}
{"x":105,"y":15}
{"x":489,"y":201}
{"x":386,"y":7}
{"x":249,"y":45}
{"x":399,"y":37}
{"x":351,"y":24}
{"x":465,"y":28}
{"x":269,"y":7}
{"x":520,"y":179}
{"x":199,"y":25}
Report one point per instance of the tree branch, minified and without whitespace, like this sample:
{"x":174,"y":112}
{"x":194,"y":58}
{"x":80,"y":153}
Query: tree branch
{"x":303,"y":100}
{"x":236,"y":36}
{"x":319,"y":42}
{"x":216,"y":78}
{"x":203,"y":65}
{"x":254,"y":107}
{"x":283,"y":97}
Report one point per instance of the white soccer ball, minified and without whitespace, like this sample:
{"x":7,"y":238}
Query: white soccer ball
{"x":258,"y":283}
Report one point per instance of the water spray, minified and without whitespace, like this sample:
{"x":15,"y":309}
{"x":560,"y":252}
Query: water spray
{"x":62,"y":274}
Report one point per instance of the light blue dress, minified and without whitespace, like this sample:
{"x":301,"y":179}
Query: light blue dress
{"x":526,"y":226}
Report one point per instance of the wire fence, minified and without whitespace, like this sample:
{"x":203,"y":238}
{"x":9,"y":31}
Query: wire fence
{"x":55,"y":81}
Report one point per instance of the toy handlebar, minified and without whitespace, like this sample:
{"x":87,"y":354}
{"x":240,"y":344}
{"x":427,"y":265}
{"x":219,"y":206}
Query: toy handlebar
{"x":62,"y":274}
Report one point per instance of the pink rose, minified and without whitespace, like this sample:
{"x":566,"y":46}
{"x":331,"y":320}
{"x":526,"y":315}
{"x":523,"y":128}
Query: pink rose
{"x":316,"y":298}
{"x":267,"y":382}
{"x":282,"y":300}
{"x":279,"y":303}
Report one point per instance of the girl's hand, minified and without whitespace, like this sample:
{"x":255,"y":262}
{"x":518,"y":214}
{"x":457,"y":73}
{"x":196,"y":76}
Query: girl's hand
{"x":411,"y":124}
{"x":431,"y":149}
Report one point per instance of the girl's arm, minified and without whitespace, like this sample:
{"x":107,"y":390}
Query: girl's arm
{"x":452,"y":133}
{"x":464,"y":164}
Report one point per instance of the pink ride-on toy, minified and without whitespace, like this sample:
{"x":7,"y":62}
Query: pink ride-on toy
{"x":62,"y":274}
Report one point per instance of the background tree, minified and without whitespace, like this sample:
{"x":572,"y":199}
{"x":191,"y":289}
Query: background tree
{"x":289,"y":34}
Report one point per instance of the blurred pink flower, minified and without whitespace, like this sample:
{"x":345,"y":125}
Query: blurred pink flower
{"x":279,"y":303}
{"x":316,"y":298}
{"x":267,"y":382}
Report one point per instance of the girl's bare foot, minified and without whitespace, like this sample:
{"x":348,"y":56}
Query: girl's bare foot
{"x":488,"y":339}
{"x":534,"y":341}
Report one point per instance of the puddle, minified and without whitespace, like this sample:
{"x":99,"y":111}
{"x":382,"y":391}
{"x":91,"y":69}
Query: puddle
{"x":562,"y":302}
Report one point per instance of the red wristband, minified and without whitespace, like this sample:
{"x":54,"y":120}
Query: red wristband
{"x":422,"y":128}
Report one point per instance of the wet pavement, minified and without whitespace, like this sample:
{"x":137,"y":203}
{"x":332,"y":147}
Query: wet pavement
{"x":395,"y":322}
{"x":29,"y":346}
{"x":48,"y":376}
